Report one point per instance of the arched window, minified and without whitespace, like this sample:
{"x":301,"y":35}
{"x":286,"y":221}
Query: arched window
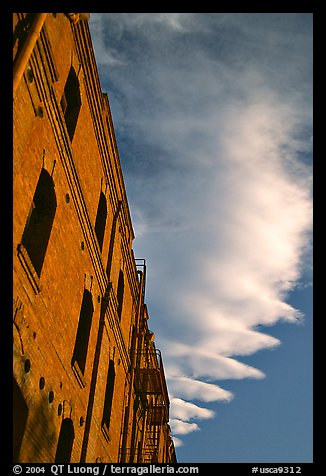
{"x":101,"y":219}
{"x":65,"y":442}
{"x":120,"y":292}
{"x":39,"y":224}
{"x":83,"y":331}
{"x":71,"y":102}
{"x":20,"y":414}
{"x":108,"y":395}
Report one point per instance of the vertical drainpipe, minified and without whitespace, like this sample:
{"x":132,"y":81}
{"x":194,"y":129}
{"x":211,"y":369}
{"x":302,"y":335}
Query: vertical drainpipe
{"x":32,"y":37}
{"x":27,"y":49}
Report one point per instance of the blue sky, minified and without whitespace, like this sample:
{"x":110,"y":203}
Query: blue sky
{"x":213,"y":119}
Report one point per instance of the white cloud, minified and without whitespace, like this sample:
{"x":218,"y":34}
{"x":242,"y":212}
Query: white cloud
{"x":259,"y":215}
{"x":142,"y":21}
{"x":180,"y":427}
{"x":198,"y":390}
{"x":221,"y":201}
{"x":177,"y":442}
{"x":185,"y":411}
{"x":202,"y":363}
{"x":105,"y":54}
{"x":172,"y":20}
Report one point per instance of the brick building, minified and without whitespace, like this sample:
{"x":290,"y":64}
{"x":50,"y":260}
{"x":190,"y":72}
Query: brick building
{"x":89,"y":383}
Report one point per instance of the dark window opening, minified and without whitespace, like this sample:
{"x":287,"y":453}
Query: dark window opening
{"x":71,"y":102}
{"x":139,"y":452}
{"x":120,"y":292}
{"x":65,"y":442}
{"x":83,"y":331}
{"x":20,"y":414}
{"x":101,"y":220}
{"x":109,"y":395}
{"x":39,"y":224}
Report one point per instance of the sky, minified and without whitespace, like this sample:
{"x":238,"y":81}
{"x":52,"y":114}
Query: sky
{"x":213,"y":120}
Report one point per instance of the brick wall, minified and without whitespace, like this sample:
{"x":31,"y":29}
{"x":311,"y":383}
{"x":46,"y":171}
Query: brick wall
{"x":47,"y":305}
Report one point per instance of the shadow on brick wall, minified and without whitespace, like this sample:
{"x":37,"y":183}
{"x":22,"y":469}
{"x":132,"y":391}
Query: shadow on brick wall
{"x":40,"y":440}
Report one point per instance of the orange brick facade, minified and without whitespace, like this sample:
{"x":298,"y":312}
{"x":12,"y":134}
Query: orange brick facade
{"x":89,"y":384}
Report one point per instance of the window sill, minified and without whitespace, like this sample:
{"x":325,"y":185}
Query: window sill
{"x":78,"y":374}
{"x":29,"y":268}
{"x":105,"y":431}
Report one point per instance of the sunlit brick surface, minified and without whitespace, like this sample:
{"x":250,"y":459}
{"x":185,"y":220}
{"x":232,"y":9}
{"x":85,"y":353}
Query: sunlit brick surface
{"x":59,"y":399}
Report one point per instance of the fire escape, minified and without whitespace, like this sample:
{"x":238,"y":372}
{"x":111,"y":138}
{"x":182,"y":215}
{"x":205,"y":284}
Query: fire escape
{"x":150,"y":407}
{"x":150,"y":387}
